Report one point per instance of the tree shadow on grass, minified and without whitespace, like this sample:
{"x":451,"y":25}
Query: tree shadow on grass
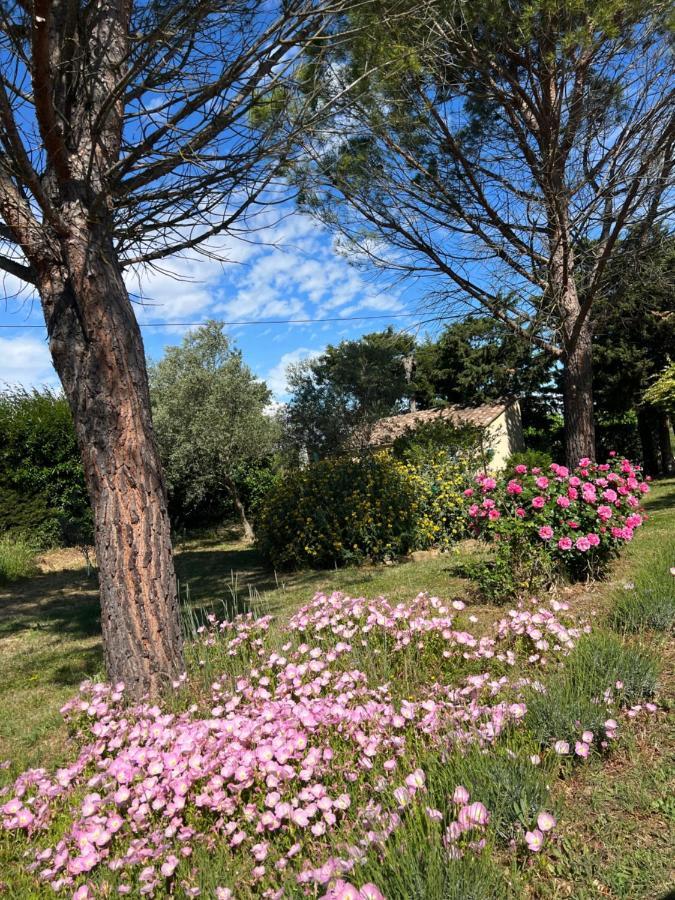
{"x":663,"y":501}
{"x":63,"y":603}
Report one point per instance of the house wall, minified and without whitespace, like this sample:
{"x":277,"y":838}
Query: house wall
{"x":505,"y":436}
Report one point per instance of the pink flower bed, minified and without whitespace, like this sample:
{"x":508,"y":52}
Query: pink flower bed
{"x":293,"y":771}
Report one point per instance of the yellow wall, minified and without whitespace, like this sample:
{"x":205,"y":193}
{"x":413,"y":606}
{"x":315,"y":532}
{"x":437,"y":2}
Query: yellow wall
{"x":505,"y":436}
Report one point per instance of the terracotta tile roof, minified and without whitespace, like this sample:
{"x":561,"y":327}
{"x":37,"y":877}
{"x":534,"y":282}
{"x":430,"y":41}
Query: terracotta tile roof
{"x":385,"y":432}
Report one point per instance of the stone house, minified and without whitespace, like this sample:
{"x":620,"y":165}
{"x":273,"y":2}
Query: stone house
{"x":501,"y":423}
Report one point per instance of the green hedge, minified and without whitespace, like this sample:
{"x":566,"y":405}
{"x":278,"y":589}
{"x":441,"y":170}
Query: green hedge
{"x":42,"y":491}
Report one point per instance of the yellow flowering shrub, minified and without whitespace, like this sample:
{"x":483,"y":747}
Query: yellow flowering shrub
{"x":345,"y":510}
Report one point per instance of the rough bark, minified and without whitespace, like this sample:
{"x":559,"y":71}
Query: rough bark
{"x":578,"y":399}
{"x":576,"y":335}
{"x":97,"y":350}
{"x":665,"y":446}
{"x":650,"y":461}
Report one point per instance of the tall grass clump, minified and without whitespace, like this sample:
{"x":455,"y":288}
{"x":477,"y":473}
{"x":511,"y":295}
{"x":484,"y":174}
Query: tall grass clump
{"x":503,"y":778}
{"x":601,"y":672}
{"x":648,"y":602}
{"x":17,"y":558}
{"x":414,"y":864}
{"x":648,"y":608}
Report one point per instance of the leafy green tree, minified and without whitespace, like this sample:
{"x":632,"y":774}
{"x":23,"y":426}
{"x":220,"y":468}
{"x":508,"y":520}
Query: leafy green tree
{"x":480,"y":360}
{"x":634,"y":341}
{"x":662,"y":391}
{"x":209,"y":412}
{"x":500,"y":147}
{"x":42,"y":489}
{"x":336,"y":397}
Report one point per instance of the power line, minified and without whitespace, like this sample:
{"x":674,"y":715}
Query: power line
{"x":252,"y":321}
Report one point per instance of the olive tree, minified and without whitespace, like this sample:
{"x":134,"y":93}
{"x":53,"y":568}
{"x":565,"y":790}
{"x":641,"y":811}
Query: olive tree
{"x":211,"y":418}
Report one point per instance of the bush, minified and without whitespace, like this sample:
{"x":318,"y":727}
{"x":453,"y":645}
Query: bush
{"x":504,"y":780}
{"x":344,"y":510}
{"x":601,"y":669}
{"x":414,"y":865}
{"x":516,"y":568}
{"x":17,"y":558}
{"x":339,"y":511}
{"x":42,"y":490}
{"x":575,"y":521}
{"x":531,"y":458}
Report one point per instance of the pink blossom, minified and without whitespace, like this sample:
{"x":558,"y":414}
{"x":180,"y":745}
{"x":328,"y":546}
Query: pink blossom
{"x":565,"y":543}
{"x":460,"y":796}
{"x":538,"y":502}
{"x":545,"y":821}
{"x":582,"y":544}
{"x":370,"y":892}
{"x":169,"y":866}
{"x":546,"y":532}
{"x":473,"y":815}
{"x":534,"y":840}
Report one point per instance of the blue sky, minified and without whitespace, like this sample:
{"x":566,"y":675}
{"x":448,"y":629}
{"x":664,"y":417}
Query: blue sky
{"x":290,"y":269}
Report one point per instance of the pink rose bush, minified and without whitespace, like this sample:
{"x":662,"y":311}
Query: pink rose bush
{"x":577,"y":520}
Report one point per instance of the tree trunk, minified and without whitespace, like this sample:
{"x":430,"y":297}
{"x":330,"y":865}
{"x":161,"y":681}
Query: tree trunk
{"x":249,"y":534}
{"x":578,"y":398}
{"x":576,"y":332}
{"x":665,"y":446}
{"x":98,"y":353}
{"x":645,"y":418}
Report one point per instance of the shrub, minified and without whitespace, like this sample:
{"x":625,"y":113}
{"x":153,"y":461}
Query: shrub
{"x":414,"y":865}
{"x":439,"y":479}
{"x":42,"y":490}
{"x":344,"y":510}
{"x":515,"y":568}
{"x":600,"y":670}
{"x":578,"y":520}
{"x":504,"y":780}
{"x":17,"y":558}
{"x":339,"y":511}
{"x":531,"y":458}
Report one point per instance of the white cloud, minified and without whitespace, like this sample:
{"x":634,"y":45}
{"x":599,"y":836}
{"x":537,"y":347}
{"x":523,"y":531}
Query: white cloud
{"x":26,"y":361}
{"x":276,"y":377}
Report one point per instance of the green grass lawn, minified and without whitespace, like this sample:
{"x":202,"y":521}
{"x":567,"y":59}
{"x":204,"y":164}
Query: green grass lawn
{"x":617,"y":817}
